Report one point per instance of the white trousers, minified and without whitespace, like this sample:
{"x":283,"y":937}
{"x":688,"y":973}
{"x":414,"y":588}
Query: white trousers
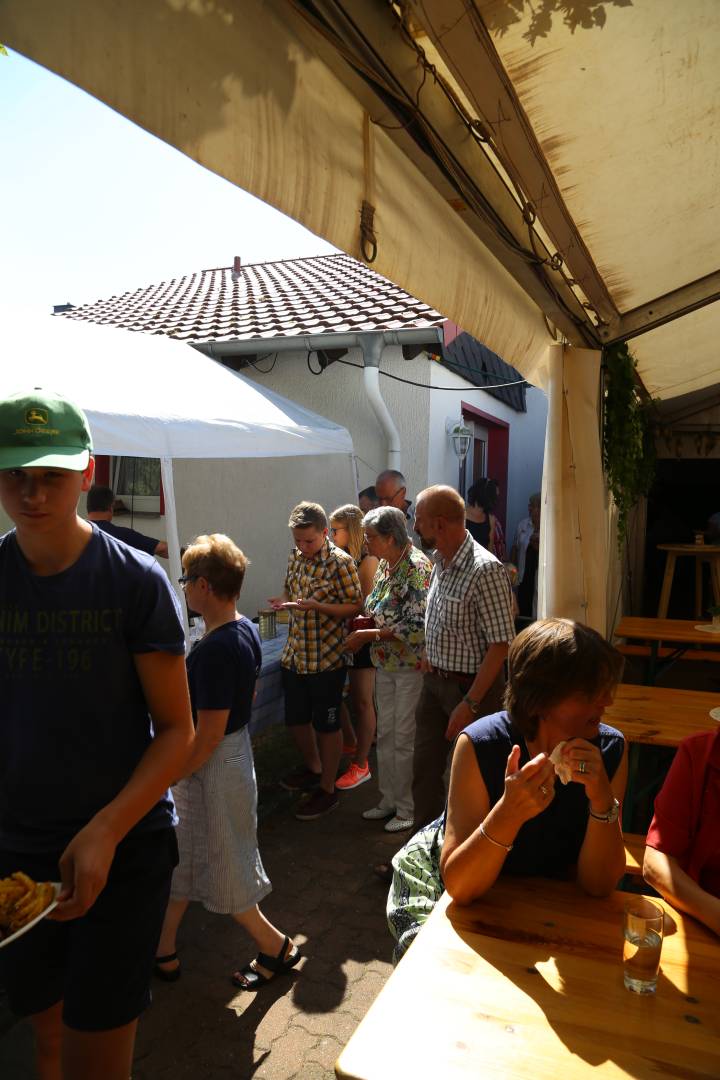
{"x":396,"y":696}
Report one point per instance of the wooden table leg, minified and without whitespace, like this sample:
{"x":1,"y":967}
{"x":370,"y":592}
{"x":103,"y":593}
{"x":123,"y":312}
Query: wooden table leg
{"x":715,"y":579}
{"x":666,"y":586}
{"x":698,"y":586}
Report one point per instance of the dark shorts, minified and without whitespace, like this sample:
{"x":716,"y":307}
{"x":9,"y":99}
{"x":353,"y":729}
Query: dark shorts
{"x":314,"y":699}
{"x":100,"y":965}
{"x":362,"y":659}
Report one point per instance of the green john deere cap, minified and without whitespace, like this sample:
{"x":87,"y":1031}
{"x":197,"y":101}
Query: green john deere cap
{"x":42,"y":429}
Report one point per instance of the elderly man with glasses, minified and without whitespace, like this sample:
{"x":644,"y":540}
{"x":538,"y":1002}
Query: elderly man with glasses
{"x":391,"y":490}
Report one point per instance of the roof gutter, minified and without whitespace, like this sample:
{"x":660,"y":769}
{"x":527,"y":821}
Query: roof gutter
{"x":431,"y":335}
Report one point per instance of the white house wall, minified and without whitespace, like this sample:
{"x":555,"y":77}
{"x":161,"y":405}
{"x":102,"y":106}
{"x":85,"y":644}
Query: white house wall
{"x":339,"y":395}
{"x":526,"y":439}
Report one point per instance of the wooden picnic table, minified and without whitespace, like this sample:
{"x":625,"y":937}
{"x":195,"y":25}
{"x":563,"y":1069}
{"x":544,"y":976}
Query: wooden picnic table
{"x":679,"y":633}
{"x":659,"y":716}
{"x":656,"y":716}
{"x":527,"y":983}
{"x":709,"y":553}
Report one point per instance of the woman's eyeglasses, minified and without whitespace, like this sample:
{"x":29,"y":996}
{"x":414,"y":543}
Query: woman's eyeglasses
{"x":186,"y":579}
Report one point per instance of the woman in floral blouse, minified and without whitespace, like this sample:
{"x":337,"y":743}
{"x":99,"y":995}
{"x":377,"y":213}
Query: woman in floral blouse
{"x":397,"y":604}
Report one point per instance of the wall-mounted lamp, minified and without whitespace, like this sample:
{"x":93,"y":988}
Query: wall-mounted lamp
{"x":460,"y":436}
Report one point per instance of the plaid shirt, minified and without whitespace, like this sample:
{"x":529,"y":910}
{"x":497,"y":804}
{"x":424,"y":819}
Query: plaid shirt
{"x":469,"y":608}
{"x":315,"y":640}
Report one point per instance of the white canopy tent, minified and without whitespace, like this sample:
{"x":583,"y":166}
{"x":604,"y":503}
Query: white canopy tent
{"x":536,"y":172}
{"x":153,"y":397}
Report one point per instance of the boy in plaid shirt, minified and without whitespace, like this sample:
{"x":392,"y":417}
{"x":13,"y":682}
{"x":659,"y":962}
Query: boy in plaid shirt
{"x":322,"y":591}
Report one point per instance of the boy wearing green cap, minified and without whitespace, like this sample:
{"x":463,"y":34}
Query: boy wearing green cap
{"x":91,"y":646}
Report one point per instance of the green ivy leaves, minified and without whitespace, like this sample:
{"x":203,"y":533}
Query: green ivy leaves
{"x":628,"y":443}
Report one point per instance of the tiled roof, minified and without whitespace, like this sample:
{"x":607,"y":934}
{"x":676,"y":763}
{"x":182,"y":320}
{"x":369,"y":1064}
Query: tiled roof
{"x":475,"y":362}
{"x":318,"y":295}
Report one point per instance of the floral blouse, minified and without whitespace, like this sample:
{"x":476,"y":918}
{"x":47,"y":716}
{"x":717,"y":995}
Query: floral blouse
{"x":397,"y":602}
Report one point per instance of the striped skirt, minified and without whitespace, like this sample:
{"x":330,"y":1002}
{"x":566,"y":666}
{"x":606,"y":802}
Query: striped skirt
{"x":220,"y":863}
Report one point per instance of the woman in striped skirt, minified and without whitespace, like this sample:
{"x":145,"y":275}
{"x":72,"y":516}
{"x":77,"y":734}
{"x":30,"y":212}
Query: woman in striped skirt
{"x":220,"y":863}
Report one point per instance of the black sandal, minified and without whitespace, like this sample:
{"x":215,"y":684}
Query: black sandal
{"x":167,"y":976}
{"x":250,"y":979}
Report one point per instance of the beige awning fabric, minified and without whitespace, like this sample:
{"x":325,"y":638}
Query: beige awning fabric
{"x":235,"y":88}
{"x":521,"y":158}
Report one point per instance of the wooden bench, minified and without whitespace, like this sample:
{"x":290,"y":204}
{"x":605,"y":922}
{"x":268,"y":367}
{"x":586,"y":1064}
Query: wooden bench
{"x":665,"y":652}
{"x":634,"y":852}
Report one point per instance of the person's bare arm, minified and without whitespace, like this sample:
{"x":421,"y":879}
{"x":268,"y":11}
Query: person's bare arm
{"x":601,"y":862}
{"x":161,"y":549}
{"x":366,"y":573}
{"x":470,"y":862}
{"x":492,"y":663}
{"x":85,"y":863}
{"x":336,"y":611}
{"x":666,"y":875}
{"x":209,"y":733}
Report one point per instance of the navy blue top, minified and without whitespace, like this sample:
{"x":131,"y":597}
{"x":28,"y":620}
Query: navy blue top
{"x":73,"y":718}
{"x":547,"y":845}
{"x":222,"y":669}
{"x":129,"y":536}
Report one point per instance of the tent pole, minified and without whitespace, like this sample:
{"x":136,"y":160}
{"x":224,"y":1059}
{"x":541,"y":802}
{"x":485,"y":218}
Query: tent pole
{"x":173,"y":538}
{"x":550,"y":525}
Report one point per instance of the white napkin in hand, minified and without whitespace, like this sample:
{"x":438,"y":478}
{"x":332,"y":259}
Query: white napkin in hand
{"x":561,"y":768}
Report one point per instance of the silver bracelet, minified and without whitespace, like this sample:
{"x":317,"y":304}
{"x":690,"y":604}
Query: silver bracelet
{"x":505,"y":847}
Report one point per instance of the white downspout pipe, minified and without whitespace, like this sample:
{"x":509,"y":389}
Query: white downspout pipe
{"x":372,"y":350}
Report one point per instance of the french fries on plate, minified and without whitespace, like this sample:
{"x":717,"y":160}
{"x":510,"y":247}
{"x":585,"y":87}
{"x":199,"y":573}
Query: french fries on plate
{"x":21,"y":901}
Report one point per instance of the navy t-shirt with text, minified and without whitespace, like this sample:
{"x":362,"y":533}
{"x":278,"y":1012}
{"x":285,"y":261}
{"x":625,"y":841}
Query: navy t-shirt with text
{"x":222,"y":669}
{"x":73,"y":718}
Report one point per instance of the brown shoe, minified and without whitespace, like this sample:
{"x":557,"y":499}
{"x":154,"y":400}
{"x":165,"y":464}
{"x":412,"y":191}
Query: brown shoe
{"x":316,"y":805}
{"x":300,"y":779}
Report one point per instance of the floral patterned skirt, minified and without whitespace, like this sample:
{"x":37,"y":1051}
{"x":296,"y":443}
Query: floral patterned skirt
{"x":416,"y":886}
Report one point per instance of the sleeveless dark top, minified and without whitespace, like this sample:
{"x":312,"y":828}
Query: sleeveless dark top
{"x":547,"y":845}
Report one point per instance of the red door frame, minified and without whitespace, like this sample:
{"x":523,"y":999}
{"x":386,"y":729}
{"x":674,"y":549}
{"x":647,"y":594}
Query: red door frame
{"x":498,"y":453}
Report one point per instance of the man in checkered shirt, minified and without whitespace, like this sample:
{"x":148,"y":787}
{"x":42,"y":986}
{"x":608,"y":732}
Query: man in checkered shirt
{"x":322,"y":591}
{"x":468,"y":628}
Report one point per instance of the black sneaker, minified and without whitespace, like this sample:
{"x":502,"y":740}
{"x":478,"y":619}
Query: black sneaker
{"x":319,"y":803}
{"x":300,"y":779}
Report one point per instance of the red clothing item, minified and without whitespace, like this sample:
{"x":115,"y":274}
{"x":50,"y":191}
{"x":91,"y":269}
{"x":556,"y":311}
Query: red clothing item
{"x":686,"y":824}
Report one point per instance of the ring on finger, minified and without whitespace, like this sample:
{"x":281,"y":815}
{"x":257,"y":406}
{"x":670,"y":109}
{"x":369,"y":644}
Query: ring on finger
{"x":582,"y":767}
{"x":543,"y":789}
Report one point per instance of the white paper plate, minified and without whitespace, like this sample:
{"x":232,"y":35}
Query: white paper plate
{"x":24,"y":929}
{"x":715,"y":714}
{"x":708,"y":628}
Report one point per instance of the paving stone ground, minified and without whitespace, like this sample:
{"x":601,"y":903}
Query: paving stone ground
{"x":325,"y":895}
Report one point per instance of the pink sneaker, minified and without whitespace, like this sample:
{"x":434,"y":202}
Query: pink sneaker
{"x":353,"y":777}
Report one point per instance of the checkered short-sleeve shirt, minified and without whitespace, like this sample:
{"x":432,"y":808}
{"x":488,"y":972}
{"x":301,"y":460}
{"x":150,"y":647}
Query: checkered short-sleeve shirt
{"x":469,"y":608}
{"x":315,"y":640}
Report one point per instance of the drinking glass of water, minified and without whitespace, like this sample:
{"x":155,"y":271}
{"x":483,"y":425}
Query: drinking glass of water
{"x":642,"y":945}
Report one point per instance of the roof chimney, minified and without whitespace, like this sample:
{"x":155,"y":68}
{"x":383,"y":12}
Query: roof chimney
{"x":237,"y":267}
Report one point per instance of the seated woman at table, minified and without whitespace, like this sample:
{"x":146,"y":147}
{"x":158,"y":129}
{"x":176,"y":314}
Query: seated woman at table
{"x":510,"y":810}
{"x":682,"y":857}
{"x":220,"y":864}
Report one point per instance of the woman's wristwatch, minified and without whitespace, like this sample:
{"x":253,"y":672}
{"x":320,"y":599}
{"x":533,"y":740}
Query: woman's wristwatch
{"x":610,"y":815}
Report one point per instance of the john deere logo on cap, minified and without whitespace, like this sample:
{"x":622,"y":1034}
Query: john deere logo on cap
{"x":36,"y":416}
